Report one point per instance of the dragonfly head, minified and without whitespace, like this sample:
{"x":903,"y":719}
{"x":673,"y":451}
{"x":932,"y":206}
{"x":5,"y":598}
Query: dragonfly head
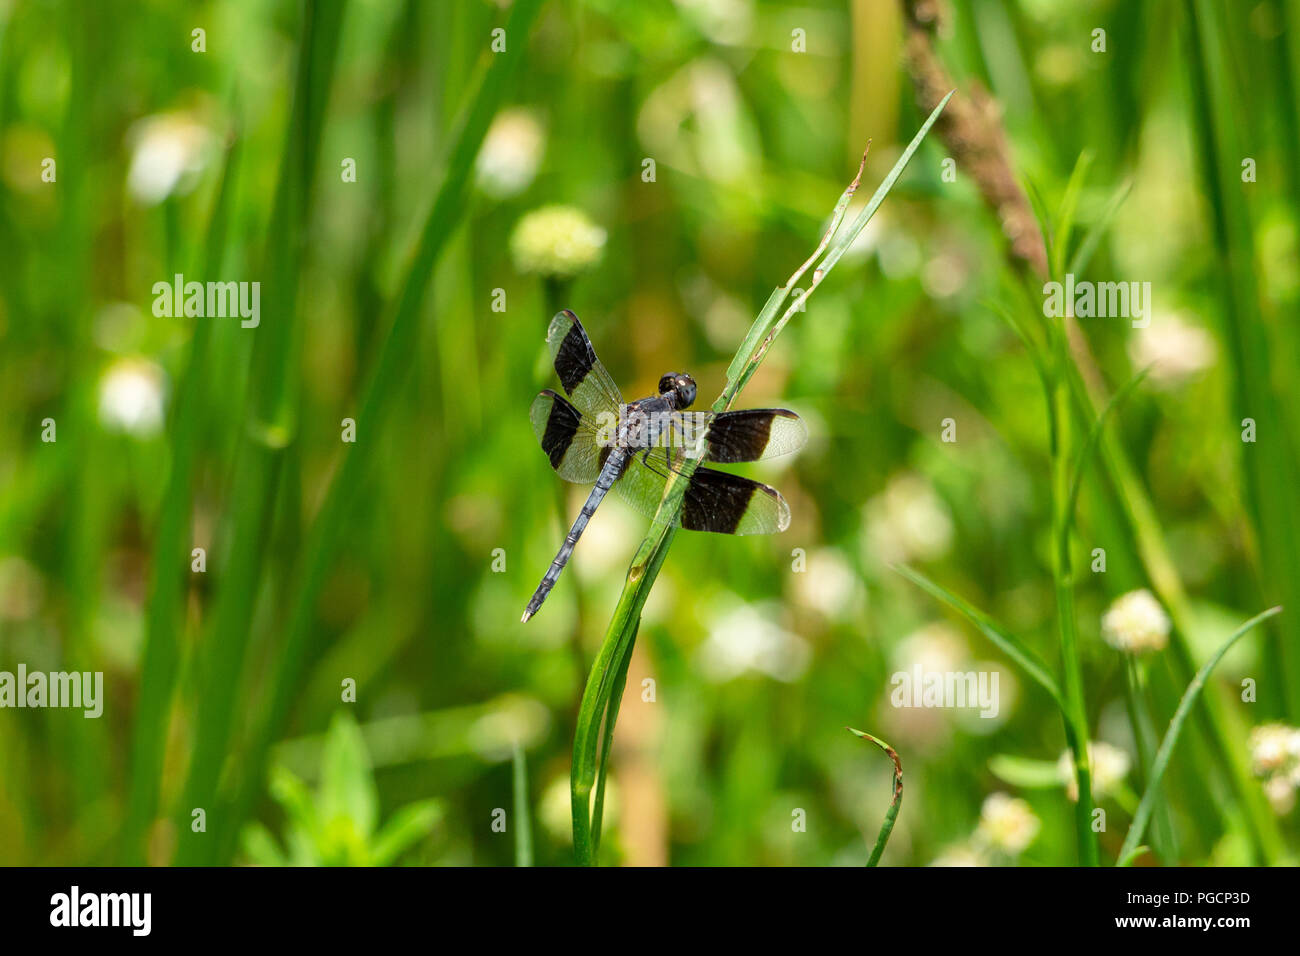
{"x":681,"y":386}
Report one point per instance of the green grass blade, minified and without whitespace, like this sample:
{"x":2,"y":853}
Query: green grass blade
{"x":1092,"y":239}
{"x":1163,"y":837}
{"x":1145,"y":808}
{"x":1069,"y":206}
{"x":407,"y":827}
{"x":778,"y":296}
{"x":396,"y":353}
{"x":1094,"y":435}
{"x":1044,"y":219}
{"x":1262,"y":386}
{"x":840,"y":246}
{"x":896,"y":801}
{"x":1076,"y":718}
{"x":272,"y":410}
{"x":1128,"y":858}
{"x":1221,"y":725}
{"x":593,"y":710}
{"x":160,"y":658}
{"x":621,"y":633}
{"x":523,"y":819}
{"x":1033,"y":665}
{"x":606,"y":744}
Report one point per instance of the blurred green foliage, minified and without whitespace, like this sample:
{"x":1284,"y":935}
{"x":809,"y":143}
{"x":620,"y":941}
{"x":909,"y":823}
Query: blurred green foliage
{"x":338,"y":826}
{"x":231,"y":164}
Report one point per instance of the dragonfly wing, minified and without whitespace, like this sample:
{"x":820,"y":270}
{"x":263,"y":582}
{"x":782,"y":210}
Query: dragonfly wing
{"x":754,"y":433}
{"x":569,"y":438}
{"x":714,"y":501}
{"x":586,"y":381}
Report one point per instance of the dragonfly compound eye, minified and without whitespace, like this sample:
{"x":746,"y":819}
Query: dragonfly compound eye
{"x":685,"y":391}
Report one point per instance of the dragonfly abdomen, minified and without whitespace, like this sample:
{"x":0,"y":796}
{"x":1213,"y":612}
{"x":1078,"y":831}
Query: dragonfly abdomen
{"x":610,"y":473}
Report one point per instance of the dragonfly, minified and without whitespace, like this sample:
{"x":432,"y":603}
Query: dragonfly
{"x":593,"y":437}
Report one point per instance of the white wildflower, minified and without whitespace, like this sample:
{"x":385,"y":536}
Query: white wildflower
{"x":169,"y":150}
{"x":131,"y":397}
{"x":1175,"y":350}
{"x":512,"y":721}
{"x":1109,"y":766}
{"x":1270,"y":748}
{"x":747,"y":640}
{"x":556,"y":241}
{"x":907,"y":521}
{"x":960,"y":854}
{"x":511,"y":153}
{"x":1136,"y":623}
{"x":1281,"y":795}
{"x":1007,"y":823}
{"x":937,"y":647}
{"x":828,"y":584}
{"x":1275,"y":757}
{"x":555,"y":809}
{"x":728,"y":22}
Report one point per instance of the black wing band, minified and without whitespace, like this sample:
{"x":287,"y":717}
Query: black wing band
{"x":586,"y":381}
{"x":754,"y":433}
{"x":561,"y":426}
{"x":714,"y":501}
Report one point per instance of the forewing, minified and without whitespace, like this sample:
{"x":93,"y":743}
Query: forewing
{"x":714,"y":501}
{"x":570,"y":439}
{"x":586,"y":381}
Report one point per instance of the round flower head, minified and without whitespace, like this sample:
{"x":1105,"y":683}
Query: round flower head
{"x":961,"y":854}
{"x":510,"y":155}
{"x":907,"y":521}
{"x":1275,"y":757}
{"x":1007,"y":823}
{"x":1109,"y":766}
{"x":1281,"y":795}
{"x":557,"y":241}
{"x":1136,"y":623}
{"x":131,"y":397}
{"x":169,"y":151}
{"x":1175,"y":350}
{"x":1270,"y":748}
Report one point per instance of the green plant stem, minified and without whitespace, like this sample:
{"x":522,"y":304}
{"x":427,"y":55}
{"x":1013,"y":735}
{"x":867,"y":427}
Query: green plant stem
{"x":386,"y":377}
{"x":523,"y":820}
{"x":1063,"y":576}
{"x":1034,"y":666}
{"x":1140,"y":721}
{"x":1222,"y":727}
{"x":614,"y":650}
{"x":606,"y":744}
{"x":270,"y":429}
{"x":160,"y":658}
{"x":1140,"y":819}
{"x":620,"y":636}
{"x":895,"y":803}
{"x":1258,"y":391}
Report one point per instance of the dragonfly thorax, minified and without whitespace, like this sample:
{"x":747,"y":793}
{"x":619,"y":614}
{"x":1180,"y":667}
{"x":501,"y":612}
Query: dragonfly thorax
{"x":645,"y":423}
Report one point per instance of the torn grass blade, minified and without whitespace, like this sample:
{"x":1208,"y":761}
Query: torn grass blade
{"x":895,"y":803}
